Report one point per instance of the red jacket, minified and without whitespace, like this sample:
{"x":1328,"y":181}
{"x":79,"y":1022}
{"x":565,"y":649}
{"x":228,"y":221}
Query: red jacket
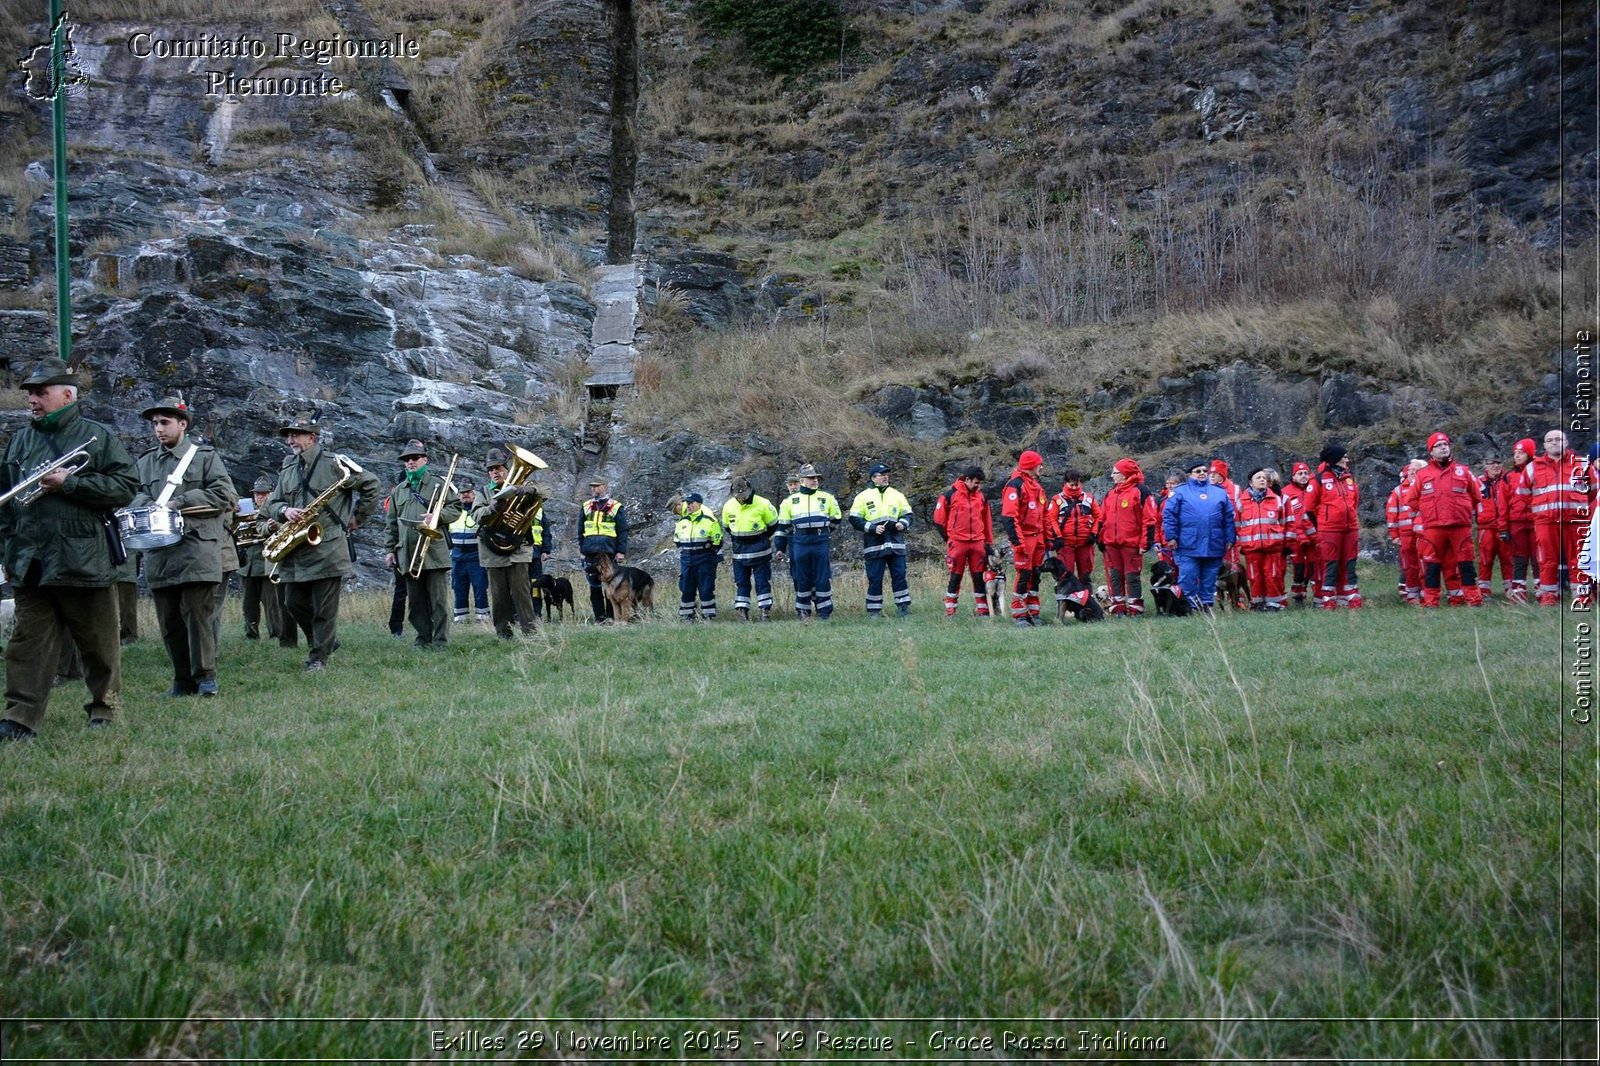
{"x":1563,"y":490}
{"x":1074,"y":519}
{"x":1400,"y":516}
{"x":1024,"y":503}
{"x":1444,"y":494}
{"x":1516,"y":497}
{"x":1260,"y":523}
{"x":1331,"y":500}
{"x":962,"y":515}
{"x":1295,"y":515}
{"x":1490,"y":514}
{"x":1128,"y":516}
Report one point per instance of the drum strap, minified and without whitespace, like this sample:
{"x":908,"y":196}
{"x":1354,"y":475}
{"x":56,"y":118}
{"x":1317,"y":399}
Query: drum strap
{"x":175,"y":478}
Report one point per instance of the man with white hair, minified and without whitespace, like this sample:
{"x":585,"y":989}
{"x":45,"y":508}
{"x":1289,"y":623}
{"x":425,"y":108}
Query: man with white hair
{"x":1563,"y":495}
{"x":59,"y":555}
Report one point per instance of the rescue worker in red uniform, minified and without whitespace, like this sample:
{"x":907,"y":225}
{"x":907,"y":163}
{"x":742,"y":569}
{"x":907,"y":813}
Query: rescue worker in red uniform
{"x":1073,"y":522}
{"x":1516,"y":512}
{"x":1401,"y":518}
{"x":1218,"y":476}
{"x":1127,"y":531}
{"x":1262,"y":535}
{"x":1332,"y":502}
{"x":1563,"y":488}
{"x":1022,"y":515}
{"x":962,"y":518}
{"x":1305,"y":531}
{"x":1445,"y":494}
{"x":1494,"y":544}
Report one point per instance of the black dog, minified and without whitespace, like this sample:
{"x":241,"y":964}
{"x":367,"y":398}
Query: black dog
{"x":1170,"y":599}
{"x":1072,"y":596}
{"x":554,"y":593}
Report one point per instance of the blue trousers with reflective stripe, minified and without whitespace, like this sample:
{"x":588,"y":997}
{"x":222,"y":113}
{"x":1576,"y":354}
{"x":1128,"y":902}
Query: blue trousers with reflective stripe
{"x":468,"y":575}
{"x":895,"y":563}
{"x":813,"y":577}
{"x":761,"y":570}
{"x":697,"y":576}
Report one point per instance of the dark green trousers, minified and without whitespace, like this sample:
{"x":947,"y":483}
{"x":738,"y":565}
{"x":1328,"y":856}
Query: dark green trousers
{"x":45,"y":616}
{"x":187,"y":616}
{"x":429,"y":605}
{"x":313,"y":608}
{"x":510,"y":589}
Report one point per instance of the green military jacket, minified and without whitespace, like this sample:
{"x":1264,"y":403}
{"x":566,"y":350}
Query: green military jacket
{"x":491,"y":559}
{"x":61,"y":539}
{"x":197,"y":558}
{"x":300,"y":480}
{"x":254,"y":564}
{"x":406,"y":510}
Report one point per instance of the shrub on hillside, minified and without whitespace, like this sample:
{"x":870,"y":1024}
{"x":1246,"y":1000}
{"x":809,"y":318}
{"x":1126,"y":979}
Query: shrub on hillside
{"x":781,"y":36}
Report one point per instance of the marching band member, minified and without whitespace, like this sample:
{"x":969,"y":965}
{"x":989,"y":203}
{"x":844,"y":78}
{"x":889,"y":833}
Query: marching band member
{"x":314,"y":573}
{"x":58,"y":552}
{"x":185,"y":578}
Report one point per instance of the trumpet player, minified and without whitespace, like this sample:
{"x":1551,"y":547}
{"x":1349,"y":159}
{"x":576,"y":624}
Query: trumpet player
{"x":313,"y":573}
{"x":185,"y":578}
{"x":259,"y":594}
{"x":58,"y":550}
{"x":423,"y":501}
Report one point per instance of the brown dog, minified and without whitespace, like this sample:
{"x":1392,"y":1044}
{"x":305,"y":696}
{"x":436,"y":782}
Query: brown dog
{"x":1233,"y":586}
{"x":628,"y":589}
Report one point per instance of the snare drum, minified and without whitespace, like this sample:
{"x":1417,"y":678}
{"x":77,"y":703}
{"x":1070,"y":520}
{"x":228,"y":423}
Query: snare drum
{"x":144,"y":528}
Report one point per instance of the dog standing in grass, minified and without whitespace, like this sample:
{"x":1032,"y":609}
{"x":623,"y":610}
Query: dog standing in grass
{"x":628,"y":590}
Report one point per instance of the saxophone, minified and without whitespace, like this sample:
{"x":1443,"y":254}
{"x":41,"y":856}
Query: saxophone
{"x":306,"y":530}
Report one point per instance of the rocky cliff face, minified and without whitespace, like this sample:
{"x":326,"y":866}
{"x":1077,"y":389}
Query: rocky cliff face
{"x":265,"y":253}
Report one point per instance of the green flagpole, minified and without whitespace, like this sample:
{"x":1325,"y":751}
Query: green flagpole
{"x":58,"y":111}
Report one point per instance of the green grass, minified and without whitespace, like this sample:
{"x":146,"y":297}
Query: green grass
{"x":1289,"y":818}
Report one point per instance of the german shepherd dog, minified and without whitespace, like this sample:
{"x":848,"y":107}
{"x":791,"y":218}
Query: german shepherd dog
{"x":994,"y":583}
{"x":628,"y":589}
{"x":1072,"y":596}
{"x":555,"y":594}
{"x":1170,"y":599}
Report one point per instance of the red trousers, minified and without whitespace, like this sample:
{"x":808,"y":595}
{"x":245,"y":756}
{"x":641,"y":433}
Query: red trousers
{"x":1410,"y":566}
{"x":1080,"y":560}
{"x":1336,"y":558}
{"x":1492,"y":549}
{"x":962,"y":557}
{"x":1554,"y":545}
{"x":1265,"y":570}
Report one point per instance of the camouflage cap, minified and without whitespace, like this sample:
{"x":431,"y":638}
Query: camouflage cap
{"x":807,"y":471}
{"x":263,"y":484}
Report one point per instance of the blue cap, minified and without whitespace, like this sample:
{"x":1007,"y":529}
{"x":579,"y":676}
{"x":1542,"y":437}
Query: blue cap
{"x":877,"y":468}
{"x":694,"y":497}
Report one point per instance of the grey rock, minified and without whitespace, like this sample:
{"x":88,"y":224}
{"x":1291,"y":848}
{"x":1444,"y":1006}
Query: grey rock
{"x":928,"y":422}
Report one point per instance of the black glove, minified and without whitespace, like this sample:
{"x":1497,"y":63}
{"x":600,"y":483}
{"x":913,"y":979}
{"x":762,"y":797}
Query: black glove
{"x":1057,"y":543}
{"x":1506,"y":537}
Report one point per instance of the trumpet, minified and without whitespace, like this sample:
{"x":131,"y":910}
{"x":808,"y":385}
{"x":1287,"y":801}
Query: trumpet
{"x":29,"y":488}
{"x":428,"y":529}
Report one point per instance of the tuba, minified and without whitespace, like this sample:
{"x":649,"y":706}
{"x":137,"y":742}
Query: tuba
{"x":428,"y":529}
{"x":507,"y":529}
{"x":306,"y":530}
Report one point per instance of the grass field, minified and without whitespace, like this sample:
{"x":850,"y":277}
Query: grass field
{"x":1324,"y":835}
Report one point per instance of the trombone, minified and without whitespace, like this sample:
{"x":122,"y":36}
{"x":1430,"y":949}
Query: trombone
{"x":29,"y":488}
{"x":428,"y":529}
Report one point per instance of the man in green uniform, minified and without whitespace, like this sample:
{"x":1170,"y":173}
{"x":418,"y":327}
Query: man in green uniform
{"x":186,"y":578}
{"x":313,"y":574}
{"x":510,"y":587}
{"x":428,"y":595}
{"x":58,"y":553}
{"x":259,"y":594}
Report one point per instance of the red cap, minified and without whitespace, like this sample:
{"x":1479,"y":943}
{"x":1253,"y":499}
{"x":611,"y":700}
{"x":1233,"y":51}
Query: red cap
{"x":1030,"y":460}
{"x":1219,"y":467}
{"x":1299,"y":467}
{"x":1437,"y":439}
{"x":1527,"y":447}
{"x":1126,"y":467}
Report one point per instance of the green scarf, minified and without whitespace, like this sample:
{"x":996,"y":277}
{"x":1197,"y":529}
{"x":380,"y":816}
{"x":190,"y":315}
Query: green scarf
{"x":414,"y":477}
{"x":52,"y":421}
